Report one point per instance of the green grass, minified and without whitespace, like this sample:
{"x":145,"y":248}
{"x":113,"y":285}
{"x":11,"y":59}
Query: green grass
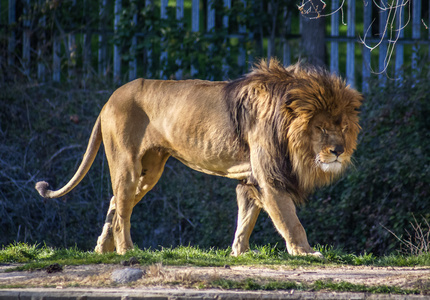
{"x":319,"y":285}
{"x":37,"y":257}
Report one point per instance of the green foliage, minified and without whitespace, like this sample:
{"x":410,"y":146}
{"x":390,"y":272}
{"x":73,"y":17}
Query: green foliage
{"x":211,"y":54}
{"x":163,"y":46}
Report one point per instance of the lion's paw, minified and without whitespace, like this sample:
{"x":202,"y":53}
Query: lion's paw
{"x":317,"y":254}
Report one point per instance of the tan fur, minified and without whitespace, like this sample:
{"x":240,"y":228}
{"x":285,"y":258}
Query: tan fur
{"x":280,"y":131}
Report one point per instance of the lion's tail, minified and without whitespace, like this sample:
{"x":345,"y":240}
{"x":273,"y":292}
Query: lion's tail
{"x":87,"y":161}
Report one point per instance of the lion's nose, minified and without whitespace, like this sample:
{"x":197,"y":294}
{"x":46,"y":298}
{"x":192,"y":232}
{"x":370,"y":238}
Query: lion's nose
{"x":338,"y":150}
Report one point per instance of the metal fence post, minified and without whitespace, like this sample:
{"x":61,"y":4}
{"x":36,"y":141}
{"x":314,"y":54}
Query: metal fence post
{"x":116,"y":47}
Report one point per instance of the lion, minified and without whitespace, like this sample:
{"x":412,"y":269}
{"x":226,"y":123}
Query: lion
{"x":279,"y":131}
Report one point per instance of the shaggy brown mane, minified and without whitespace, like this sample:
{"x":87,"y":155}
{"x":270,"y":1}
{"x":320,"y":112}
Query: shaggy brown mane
{"x":277,"y":104}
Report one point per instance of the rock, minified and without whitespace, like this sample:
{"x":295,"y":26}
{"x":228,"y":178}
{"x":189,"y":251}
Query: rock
{"x":125,"y":263}
{"x":54,"y":268}
{"x":132,"y":261}
{"x":127,"y":275}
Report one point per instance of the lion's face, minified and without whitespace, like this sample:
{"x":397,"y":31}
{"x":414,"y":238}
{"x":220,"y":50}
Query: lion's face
{"x":329,"y":142}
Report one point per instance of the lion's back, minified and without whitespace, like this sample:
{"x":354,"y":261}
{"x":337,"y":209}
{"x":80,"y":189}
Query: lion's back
{"x":188,"y":118}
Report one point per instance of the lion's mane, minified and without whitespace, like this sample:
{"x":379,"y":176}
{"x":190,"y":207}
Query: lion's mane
{"x":276,"y":104}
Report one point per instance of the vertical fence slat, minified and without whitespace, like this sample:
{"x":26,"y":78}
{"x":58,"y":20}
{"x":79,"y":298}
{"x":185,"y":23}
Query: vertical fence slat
{"x":163,"y":55}
{"x":132,"y":64}
{"x":12,"y":37}
{"x":350,"y":45}
{"x":40,"y":42}
{"x":102,"y":51}
{"x":210,"y":23}
{"x":148,"y":51}
{"x":116,"y":48}
{"x":71,"y":47}
{"x":26,"y":38}
{"x":242,"y":52}
{"x":416,"y":34}
{"x":225,"y":67}
{"x":227,"y":4}
{"x":180,"y":12}
{"x":195,"y":26}
{"x":180,"y":18}
{"x":271,"y":40}
{"x":1,"y":56}
{"x":86,"y":45}
{"x":56,"y":62}
{"x":334,"y":50}
{"x":398,"y":64}
{"x":211,"y":16}
{"x":195,"y":15}
{"x":383,"y":18}
{"x":286,"y":51}
{"x":71,"y":59}
{"x":86,"y":54}
{"x":367,"y":20}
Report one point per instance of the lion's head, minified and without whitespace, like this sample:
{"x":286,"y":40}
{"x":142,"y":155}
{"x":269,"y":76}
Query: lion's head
{"x":305,"y":118}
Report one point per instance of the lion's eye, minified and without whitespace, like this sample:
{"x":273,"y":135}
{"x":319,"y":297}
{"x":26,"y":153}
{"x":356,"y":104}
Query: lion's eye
{"x":324,"y":131}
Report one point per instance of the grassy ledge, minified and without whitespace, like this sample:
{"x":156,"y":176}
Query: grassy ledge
{"x":319,"y":285}
{"x":36,"y":257}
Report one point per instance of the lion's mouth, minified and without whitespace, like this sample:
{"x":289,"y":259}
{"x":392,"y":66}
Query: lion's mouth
{"x":332,"y":167}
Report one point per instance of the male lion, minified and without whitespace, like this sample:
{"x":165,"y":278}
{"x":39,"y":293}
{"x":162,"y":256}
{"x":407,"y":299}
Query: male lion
{"x":279,"y":131}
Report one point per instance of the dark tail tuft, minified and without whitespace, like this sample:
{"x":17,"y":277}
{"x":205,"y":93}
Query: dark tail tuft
{"x":42,"y":188}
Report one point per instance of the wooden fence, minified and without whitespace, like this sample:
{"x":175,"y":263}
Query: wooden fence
{"x":400,"y":36}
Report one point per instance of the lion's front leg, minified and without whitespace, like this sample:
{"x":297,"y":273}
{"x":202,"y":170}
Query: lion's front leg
{"x":282,"y":211}
{"x":105,"y":242}
{"x":248,"y":212}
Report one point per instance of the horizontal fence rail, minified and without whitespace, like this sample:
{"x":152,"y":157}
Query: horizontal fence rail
{"x":124,"y":39}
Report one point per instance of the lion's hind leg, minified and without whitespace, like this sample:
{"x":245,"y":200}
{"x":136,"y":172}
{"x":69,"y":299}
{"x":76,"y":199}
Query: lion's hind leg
{"x":248,"y":211}
{"x":125,"y":178}
{"x":130,"y":182}
{"x":105,"y":242}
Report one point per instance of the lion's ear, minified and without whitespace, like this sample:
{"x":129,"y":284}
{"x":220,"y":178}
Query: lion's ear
{"x":289,"y":107}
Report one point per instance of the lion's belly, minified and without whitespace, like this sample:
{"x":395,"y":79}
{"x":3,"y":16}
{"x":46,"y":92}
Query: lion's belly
{"x":211,"y":152}
{"x":214,"y":154}
{"x":239,"y":171}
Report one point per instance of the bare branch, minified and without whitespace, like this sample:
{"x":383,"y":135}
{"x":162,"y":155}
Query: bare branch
{"x":390,"y":33}
{"x":417,"y":243}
